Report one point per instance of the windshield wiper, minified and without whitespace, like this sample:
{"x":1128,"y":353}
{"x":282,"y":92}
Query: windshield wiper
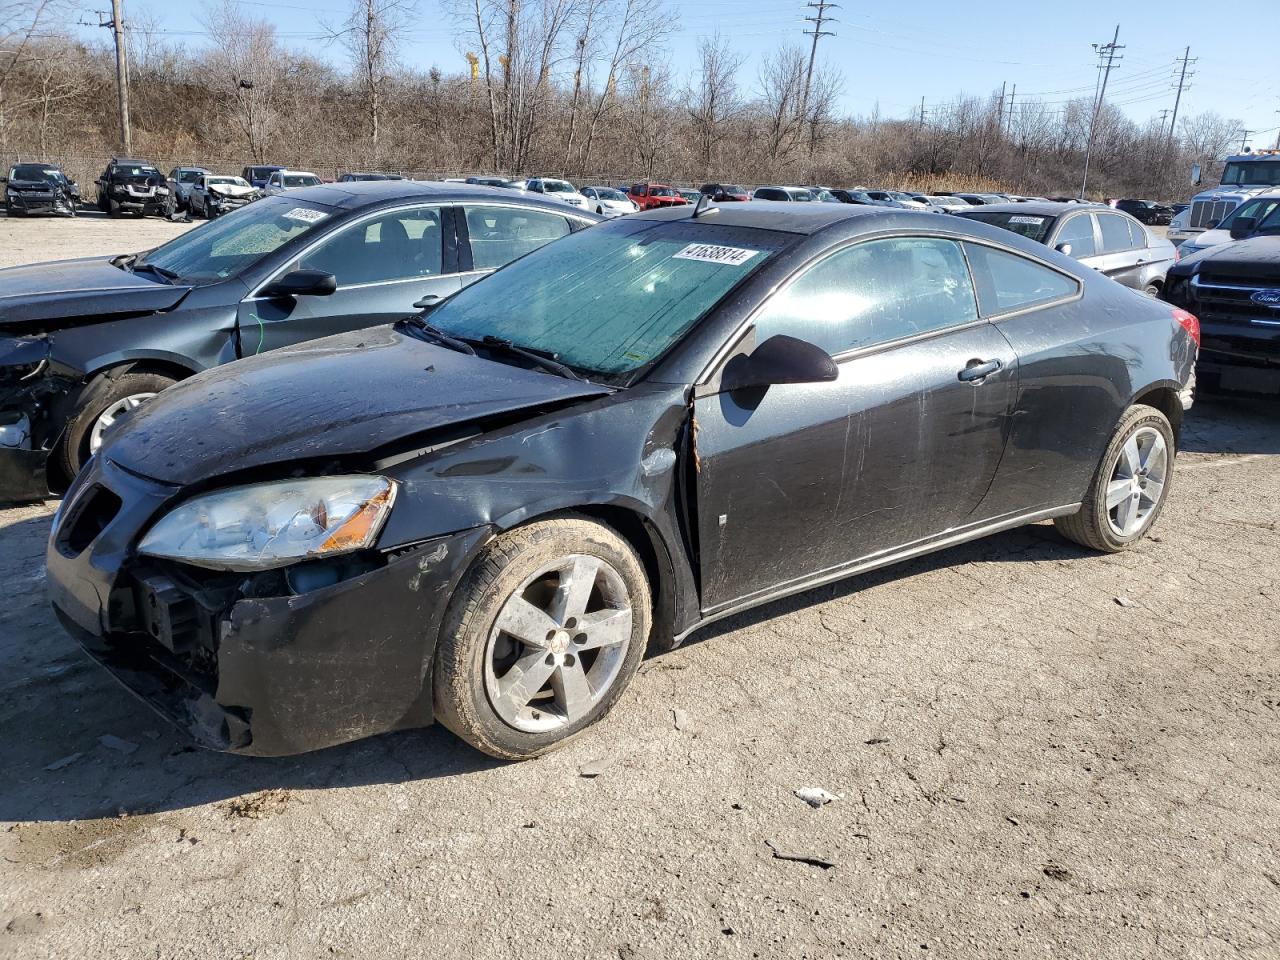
{"x":168,"y":276}
{"x":418,"y":327}
{"x":124,"y":261}
{"x":538,"y":357}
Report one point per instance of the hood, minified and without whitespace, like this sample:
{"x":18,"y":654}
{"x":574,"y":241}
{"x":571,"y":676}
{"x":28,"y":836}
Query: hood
{"x":74,"y":292}
{"x":339,"y":396}
{"x":232,"y":189}
{"x":30,"y":185}
{"x":1256,"y":259}
{"x":1233,"y":191}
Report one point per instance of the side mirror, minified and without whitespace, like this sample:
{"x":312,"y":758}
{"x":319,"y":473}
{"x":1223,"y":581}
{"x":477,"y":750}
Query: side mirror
{"x":302,"y":283}
{"x":1241,"y":227}
{"x":780,"y":359}
{"x":1064,"y":249}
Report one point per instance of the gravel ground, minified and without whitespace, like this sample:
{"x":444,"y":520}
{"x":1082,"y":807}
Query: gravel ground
{"x":1034,"y":752}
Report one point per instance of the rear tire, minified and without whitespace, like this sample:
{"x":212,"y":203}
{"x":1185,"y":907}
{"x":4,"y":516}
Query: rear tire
{"x":542,"y":636}
{"x":1152,"y":290}
{"x":98,"y":399}
{"x":1129,"y":488}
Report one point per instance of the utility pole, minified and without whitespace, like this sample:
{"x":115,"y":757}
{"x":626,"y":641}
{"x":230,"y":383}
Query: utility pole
{"x":116,"y":23}
{"x":1107,"y":51}
{"x":921,"y":124}
{"x":1244,"y":137}
{"x":821,"y":6}
{"x":1164,"y":116}
{"x":1182,"y":85}
{"x":1012,"y":94}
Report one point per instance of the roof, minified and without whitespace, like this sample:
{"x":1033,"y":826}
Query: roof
{"x":363,"y":193}
{"x":785,"y":215}
{"x":1036,"y":208}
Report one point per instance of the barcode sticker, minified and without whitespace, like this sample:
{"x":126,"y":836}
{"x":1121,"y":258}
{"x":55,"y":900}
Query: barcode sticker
{"x":712,"y":253}
{"x":306,"y":215}
{"x":1021,"y":219}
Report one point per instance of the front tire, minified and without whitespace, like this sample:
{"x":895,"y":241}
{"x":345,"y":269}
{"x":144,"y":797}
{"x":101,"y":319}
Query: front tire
{"x":99,"y":409}
{"x":1130,"y":487}
{"x":541,"y":638}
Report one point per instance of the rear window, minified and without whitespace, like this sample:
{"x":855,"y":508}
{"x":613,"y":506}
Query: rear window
{"x":1024,"y":224}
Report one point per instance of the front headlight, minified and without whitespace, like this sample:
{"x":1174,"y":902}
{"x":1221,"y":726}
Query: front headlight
{"x":266,"y":525}
{"x":162,"y":191}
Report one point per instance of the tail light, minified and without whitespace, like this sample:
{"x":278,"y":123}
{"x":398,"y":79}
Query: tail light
{"x":1190,"y":323}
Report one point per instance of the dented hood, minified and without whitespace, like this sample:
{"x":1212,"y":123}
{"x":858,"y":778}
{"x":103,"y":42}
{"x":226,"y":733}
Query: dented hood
{"x":74,"y":292}
{"x":343,"y":395}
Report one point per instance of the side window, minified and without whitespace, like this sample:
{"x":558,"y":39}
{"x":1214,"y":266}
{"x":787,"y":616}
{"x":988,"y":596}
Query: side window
{"x":501,"y":234}
{"x":1007,"y":281}
{"x":1078,"y":231}
{"x":872,"y":293}
{"x":1137,"y":235}
{"x":1115,"y":233}
{"x":403,"y":245}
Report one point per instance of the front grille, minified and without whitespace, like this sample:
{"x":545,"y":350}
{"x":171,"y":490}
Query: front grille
{"x":1203,"y":212}
{"x":89,"y":516}
{"x":1230,"y":300}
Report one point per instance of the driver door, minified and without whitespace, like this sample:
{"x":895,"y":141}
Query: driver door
{"x":803,"y":479}
{"x":383,"y":263}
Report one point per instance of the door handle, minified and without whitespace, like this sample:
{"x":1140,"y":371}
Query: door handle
{"x":976,"y":370}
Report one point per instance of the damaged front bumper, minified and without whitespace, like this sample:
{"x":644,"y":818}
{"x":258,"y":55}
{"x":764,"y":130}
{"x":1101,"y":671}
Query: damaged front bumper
{"x":256,"y":664}
{"x":29,"y":394}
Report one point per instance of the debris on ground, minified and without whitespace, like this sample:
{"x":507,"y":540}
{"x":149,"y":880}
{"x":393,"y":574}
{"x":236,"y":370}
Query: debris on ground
{"x":680,"y":718}
{"x":779,"y":854}
{"x":814,"y":796}
{"x":1055,"y":872}
{"x":64,"y":762}
{"x":1125,"y":602}
{"x":1014,"y":821}
{"x":120,"y":745}
{"x":257,"y":806}
{"x":876,"y":740}
{"x":593,"y":768}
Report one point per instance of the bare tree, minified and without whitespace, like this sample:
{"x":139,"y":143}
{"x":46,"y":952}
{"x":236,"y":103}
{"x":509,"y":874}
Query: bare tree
{"x":781,"y":91}
{"x":372,"y":35}
{"x":714,"y":102}
{"x":21,"y":22}
{"x":244,"y":71}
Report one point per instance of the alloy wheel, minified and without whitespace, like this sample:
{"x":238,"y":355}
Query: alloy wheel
{"x":113,"y":413}
{"x":558,"y":644}
{"x":1137,"y":481}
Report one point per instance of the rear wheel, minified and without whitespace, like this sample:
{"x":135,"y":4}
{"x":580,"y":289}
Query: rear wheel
{"x":1130,"y":487}
{"x":103,"y":404}
{"x":543,"y":635}
{"x":1152,"y":290}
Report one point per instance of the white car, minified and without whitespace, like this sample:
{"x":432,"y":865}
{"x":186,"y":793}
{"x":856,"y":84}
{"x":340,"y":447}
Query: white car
{"x":561,"y":190}
{"x":949,"y":203}
{"x":283,"y":180}
{"x":609,"y":202}
{"x":214,"y":195}
{"x":1264,"y":210}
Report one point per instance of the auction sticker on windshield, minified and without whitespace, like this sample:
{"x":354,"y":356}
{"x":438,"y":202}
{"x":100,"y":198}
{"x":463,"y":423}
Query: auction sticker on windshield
{"x":305,"y":215}
{"x":713,"y":253}
{"x":1032,"y":220}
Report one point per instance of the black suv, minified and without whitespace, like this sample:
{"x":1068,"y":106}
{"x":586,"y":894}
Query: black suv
{"x":1147,"y":211}
{"x":133,"y":186}
{"x":1234,"y":288}
{"x":39,"y":188}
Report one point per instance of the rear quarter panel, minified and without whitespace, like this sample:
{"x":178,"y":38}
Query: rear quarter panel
{"x":1082,"y":365}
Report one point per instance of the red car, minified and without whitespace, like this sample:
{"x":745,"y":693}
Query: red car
{"x":650,"y":195}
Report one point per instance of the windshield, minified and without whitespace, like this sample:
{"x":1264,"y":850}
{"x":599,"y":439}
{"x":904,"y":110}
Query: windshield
{"x":189,"y":176}
{"x":801,"y":195}
{"x":1266,"y":210}
{"x":231,"y":244}
{"x":135,"y":170}
{"x":608,"y":193}
{"x":1024,"y":224}
{"x":661,"y":192}
{"x":732,"y":188}
{"x":35,"y":171}
{"x":301,"y":180}
{"x":1259,"y":173}
{"x":225,"y":181}
{"x":613,"y":299}
{"x":557,"y":186}
{"x":261,"y":173}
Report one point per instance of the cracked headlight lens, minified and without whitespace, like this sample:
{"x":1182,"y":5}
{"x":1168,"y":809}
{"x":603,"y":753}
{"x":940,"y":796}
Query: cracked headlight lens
{"x":266,"y":525}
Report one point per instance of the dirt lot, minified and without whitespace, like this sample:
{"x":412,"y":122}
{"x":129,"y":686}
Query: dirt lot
{"x":1036,"y":752}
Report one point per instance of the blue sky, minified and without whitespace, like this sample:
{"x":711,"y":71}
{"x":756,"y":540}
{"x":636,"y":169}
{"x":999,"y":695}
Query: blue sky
{"x":892,"y":56}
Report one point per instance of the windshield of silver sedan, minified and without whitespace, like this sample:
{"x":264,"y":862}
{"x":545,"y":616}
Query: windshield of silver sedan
{"x":233,"y":243}
{"x":612,"y":299}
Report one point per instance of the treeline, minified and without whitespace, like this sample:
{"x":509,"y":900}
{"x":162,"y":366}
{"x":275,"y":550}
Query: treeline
{"x":578,"y":88}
